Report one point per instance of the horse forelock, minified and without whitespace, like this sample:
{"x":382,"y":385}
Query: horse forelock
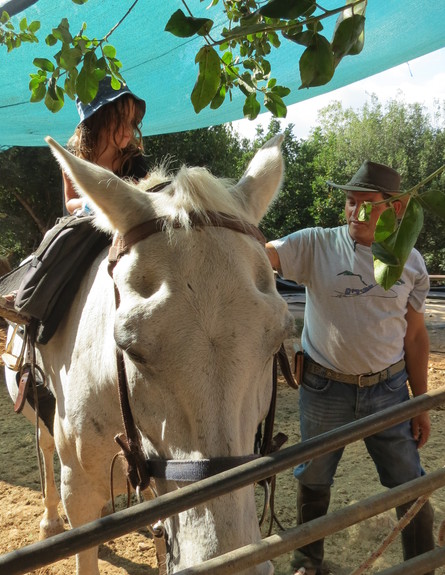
{"x":193,"y":190}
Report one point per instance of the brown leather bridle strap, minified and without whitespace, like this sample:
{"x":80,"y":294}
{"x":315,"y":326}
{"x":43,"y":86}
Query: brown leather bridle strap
{"x":286,"y":370}
{"x":122,"y":244}
{"x":129,"y":442}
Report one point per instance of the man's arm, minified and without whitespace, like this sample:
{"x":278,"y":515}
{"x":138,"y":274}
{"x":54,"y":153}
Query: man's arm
{"x":274,"y":258}
{"x":416,"y":345}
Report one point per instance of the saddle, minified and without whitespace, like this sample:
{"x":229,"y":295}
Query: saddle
{"x":48,"y":280}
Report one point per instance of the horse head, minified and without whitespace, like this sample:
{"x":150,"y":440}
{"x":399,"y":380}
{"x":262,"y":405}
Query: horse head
{"x":198,"y":323}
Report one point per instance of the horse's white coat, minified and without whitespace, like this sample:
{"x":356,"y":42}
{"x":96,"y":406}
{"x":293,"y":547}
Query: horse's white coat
{"x":51,"y":522}
{"x":199,"y":322}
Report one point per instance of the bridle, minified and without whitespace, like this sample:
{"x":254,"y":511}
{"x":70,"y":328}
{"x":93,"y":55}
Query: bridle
{"x":139,"y":469}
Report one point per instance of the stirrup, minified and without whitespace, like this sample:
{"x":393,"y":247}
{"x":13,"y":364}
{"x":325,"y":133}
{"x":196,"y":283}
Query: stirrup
{"x":14,"y":362}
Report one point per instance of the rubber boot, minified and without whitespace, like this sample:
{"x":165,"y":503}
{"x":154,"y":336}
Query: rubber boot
{"x":310,"y":505}
{"x":417,"y":536}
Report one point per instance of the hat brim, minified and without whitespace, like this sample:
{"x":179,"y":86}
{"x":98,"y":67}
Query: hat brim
{"x":107,"y":96}
{"x":350,"y":188}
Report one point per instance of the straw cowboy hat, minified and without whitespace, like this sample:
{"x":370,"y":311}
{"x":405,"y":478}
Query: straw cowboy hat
{"x":372,"y":177}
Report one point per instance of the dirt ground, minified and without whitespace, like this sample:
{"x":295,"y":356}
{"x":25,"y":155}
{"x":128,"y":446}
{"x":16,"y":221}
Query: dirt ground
{"x":134,"y":554}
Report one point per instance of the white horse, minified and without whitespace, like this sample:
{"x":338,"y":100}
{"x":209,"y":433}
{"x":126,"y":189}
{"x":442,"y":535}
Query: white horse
{"x":198,"y":321}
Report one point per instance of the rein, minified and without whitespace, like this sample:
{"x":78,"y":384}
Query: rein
{"x":139,"y":469}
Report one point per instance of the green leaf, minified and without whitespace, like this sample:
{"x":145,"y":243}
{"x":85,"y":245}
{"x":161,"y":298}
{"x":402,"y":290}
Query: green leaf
{"x":70,"y":84}
{"x":399,"y":244}
{"x":38,"y":92}
{"x":23,"y":24}
{"x":70,"y":57}
{"x":218,"y":99}
{"x":185,"y":26}
{"x":281,"y":91}
{"x":54,"y":97}
{"x":346,"y":36}
{"x":115,"y":83}
{"x":385,"y":254}
{"x":250,"y":64}
{"x":80,"y":2}
{"x":287,"y":9}
{"x":4,"y":17}
{"x":358,"y":46}
{"x":62,"y":32}
{"x":365,"y":212}
{"x":35,"y":81}
{"x":434,"y":201}
{"x":266,"y":67}
{"x":317,"y":63}
{"x":51,"y":40}
{"x":87,"y":85}
{"x":227,"y":58}
{"x":115,"y":65}
{"x":44,"y":64}
{"x":109,"y":51}
{"x":275,"y":104}
{"x":208,"y":80}
{"x":251,"y":107}
{"x":386,"y":275}
{"x":274,"y":39}
{"x":305,"y":38}
{"x":90,"y":61}
{"x":386,"y":224}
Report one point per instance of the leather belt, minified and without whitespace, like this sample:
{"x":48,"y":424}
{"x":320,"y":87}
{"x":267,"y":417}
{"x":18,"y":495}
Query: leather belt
{"x":363,"y":380}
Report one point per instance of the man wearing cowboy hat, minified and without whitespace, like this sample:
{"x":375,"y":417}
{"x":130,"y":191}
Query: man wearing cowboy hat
{"x":362,"y":345}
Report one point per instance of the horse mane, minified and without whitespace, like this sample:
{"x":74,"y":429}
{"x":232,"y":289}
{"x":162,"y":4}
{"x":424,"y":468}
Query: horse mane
{"x":193,"y":189}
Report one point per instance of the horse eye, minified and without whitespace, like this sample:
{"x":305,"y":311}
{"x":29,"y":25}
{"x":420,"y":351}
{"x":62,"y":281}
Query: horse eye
{"x":135,"y":357}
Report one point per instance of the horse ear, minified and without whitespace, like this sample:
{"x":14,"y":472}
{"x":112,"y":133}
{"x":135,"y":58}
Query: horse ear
{"x":263,"y":178}
{"x":118,"y":200}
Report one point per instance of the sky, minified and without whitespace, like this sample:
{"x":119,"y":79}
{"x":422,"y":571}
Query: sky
{"x":421,"y":80}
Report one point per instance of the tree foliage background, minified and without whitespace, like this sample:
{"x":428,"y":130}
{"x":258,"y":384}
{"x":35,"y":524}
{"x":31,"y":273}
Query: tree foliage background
{"x":402,"y":135}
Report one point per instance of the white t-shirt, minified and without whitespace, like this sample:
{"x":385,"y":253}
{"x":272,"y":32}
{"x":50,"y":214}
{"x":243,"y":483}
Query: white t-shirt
{"x":351,"y":324}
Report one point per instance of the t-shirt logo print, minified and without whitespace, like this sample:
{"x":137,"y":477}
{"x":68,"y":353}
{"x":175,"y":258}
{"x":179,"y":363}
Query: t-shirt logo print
{"x":362,"y":288}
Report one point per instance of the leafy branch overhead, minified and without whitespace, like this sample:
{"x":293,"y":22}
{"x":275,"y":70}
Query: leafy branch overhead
{"x":394,"y":239}
{"x":232,"y":57}
{"x":239,"y":59}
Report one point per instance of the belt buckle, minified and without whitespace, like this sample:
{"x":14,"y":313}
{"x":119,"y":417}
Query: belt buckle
{"x":362,"y":376}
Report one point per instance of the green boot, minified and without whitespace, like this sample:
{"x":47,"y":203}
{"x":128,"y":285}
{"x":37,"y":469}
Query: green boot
{"x":417,"y":536}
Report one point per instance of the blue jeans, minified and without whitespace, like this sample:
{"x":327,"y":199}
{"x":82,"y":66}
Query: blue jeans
{"x":326,"y":404}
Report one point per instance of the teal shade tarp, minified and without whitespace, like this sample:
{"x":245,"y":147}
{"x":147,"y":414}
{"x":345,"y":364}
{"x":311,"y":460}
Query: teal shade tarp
{"x":161,"y":68}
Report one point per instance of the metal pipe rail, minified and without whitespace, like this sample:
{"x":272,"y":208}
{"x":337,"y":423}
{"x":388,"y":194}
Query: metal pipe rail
{"x":276,"y":545}
{"x":54,"y":548}
{"x":418,"y":565}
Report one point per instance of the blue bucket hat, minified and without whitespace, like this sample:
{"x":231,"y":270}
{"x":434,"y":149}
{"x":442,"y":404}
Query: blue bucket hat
{"x":105,"y":95}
